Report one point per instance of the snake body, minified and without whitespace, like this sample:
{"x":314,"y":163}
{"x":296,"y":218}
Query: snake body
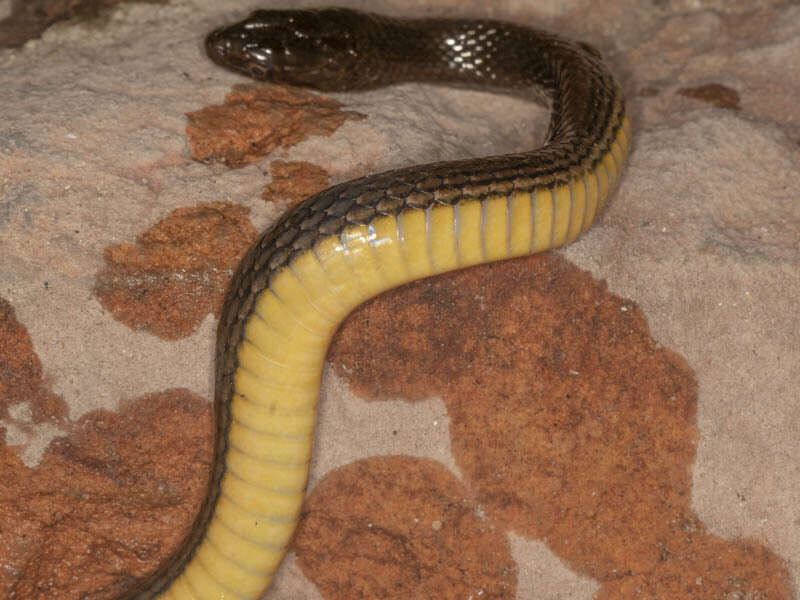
{"x":348,"y":243}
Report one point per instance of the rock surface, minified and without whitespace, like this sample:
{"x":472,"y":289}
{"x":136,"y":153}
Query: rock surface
{"x":569,"y":438}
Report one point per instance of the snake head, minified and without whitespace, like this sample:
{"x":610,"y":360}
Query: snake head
{"x":315,"y":48}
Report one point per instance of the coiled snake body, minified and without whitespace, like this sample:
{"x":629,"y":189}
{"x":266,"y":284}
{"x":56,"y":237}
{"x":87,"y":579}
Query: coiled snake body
{"x":344,"y":245}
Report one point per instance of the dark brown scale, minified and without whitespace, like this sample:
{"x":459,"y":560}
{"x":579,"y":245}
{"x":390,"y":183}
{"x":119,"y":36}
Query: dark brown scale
{"x":344,"y":50}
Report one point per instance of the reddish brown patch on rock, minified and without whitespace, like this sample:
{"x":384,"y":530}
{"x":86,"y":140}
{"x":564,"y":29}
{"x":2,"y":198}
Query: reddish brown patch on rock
{"x":700,"y":566}
{"x":716,"y":94}
{"x":177,"y":271}
{"x":570,"y":423}
{"x":110,"y":499}
{"x":108,"y":503}
{"x":256,"y":119}
{"x":401,"y":527}
{"x":294,"y":181}
{"x":21,"y":375}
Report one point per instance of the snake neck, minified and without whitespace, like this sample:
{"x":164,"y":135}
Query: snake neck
{"x":565,"y":76}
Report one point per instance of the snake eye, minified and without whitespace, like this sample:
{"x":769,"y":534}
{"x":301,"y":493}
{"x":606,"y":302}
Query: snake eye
{"x":258,"y":72}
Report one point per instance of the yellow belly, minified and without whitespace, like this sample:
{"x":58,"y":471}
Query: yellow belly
{"x":281,"y":358}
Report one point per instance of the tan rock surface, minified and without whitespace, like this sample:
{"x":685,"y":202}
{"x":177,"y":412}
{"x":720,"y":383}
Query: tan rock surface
{"x":669,"y":466}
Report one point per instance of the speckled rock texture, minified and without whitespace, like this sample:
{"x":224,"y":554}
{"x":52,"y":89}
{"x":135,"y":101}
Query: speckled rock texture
{"x":619,"y":419}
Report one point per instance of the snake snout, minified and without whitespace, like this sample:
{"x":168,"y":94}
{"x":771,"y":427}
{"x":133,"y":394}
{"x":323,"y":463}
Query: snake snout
{"x":220,"y":47}
{"x":236,"y":50}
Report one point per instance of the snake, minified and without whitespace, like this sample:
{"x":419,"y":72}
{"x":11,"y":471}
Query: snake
{"x":357,"y":239}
